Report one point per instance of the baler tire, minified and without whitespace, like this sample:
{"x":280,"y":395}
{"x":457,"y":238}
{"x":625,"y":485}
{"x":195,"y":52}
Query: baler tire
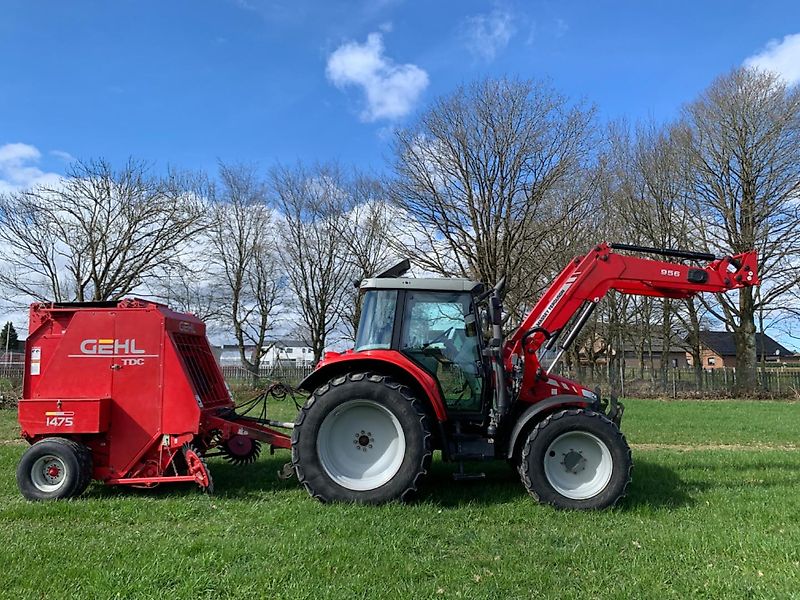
{"x":70,"y":455}
{"x":591,"y":429}
{"x":372,"y":392}
{"x":88,"y":467}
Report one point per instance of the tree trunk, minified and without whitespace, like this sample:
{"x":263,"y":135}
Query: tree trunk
{"x":745,"y":336}
{"x":666,"y":342}
{"x":692,"y":324}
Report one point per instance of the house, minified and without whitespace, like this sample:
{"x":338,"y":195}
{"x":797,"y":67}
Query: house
{"x":718,"y":350}
{"x":645,"y":353}
{"x":228,"y":354}
{"x":290,"y":353}
{"x":635,"y":353}
{"x":280,"y":353}
{"x":793,"y":360}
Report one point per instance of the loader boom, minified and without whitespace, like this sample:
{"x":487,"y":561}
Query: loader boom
{"x":587,"y":279}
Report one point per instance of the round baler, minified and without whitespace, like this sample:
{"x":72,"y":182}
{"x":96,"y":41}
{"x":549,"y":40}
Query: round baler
{"x":126,"y":393}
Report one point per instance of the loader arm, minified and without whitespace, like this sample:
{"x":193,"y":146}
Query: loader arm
{"x":586,"y":280}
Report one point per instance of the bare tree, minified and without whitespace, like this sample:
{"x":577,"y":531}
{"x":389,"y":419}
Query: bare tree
{"x":481,"y":177}
{"x":193,"y":285}
{"x":98,"y":234}
{"x":244,"y":256}
{"x":743,"y":138}
{"x":369,"y":230}
{"x":315,"y":206}
{"x":654,"y":209}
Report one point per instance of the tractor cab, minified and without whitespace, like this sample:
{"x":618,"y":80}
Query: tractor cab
{"x":434,"y":323}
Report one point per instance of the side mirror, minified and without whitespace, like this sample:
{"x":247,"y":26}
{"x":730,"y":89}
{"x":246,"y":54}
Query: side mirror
{"x":470,"y":326}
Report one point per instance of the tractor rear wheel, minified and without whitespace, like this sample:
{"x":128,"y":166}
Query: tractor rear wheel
{"x":361,"y":438}
{"x":53,"y":469}
{"x":576,"y":459}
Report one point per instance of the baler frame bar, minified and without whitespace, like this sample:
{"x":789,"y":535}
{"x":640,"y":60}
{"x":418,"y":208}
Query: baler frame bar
{"x":239,"y":425}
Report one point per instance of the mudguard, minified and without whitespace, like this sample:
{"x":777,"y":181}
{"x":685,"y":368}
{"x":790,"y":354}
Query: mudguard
{"x":545,"y":406}
{"x":389,"y":362}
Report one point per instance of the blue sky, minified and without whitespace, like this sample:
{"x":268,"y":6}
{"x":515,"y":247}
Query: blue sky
{"x":191,"y":82}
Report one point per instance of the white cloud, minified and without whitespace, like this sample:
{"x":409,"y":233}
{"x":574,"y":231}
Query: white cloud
{"x":61,"y":155}
{"x":18,"y":168}
{"x":780,"y":56}
{"x":390,"y":90}
{"x":488,"y":34}
{"x":18,"y":153}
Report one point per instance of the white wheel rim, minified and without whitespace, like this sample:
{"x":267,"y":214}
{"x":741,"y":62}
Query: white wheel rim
{"x":361,"y":445}
{"x":578,"y":465}
{"x":48,"y":473}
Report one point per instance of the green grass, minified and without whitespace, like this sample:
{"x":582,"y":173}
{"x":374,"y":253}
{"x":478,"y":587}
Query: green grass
{"x":702,"y":523}
{"x":712,"y":422}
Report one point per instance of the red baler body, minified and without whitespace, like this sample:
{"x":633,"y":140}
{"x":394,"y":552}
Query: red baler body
{"x":134,"y":381}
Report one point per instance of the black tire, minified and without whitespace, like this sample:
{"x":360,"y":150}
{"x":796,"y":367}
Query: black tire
{"x":312,"y":465}
{"x":64,"y":454}
{"x":87,"y":467}
{"x":539,"y":461}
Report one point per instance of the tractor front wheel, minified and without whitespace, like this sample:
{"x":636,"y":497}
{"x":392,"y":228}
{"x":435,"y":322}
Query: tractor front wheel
{"x":361,"y":438}
{"x":576,"y":459}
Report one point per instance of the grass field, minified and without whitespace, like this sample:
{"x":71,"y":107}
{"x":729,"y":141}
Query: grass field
{"x":713,"y":512}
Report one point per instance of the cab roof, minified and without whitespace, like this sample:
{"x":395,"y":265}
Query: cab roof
{"x":419,"y":283}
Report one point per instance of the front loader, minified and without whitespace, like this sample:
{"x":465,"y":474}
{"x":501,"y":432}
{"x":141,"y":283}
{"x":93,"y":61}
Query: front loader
{"x":423,"y":377}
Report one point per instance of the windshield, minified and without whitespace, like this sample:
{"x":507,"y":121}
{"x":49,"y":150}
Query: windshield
{"x":377,"y":320}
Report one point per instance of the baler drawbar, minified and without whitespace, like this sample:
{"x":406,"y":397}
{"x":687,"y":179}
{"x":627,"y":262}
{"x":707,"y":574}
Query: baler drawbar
{"x":127,"y":393}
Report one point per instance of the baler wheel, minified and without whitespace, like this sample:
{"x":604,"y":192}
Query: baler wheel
{"x":240,"y":450}
{"x":88,"y":467}
{"x":53,"y":469}
{"x":576,"y":459}
{"x":361,"y":438}
{"x":197,"y":467}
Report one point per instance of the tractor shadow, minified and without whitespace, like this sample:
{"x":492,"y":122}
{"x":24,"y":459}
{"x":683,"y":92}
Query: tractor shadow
{"x":500,"y":485}
{"x":658,"y":487}
{"x":653,"y":485}
{"x":253,"y":480}
{"x":236,"y":482}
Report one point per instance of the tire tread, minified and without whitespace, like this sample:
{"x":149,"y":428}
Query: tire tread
{"x":424,"y":464}
{"x":540,"y":427}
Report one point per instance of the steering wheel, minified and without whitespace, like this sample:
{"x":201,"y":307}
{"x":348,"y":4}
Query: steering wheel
{"x":442,"y":337}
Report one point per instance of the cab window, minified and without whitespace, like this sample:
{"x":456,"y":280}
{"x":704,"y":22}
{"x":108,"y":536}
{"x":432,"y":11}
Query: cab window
{"x":439,"y":333}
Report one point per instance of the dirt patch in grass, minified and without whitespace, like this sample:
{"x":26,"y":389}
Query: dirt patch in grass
{"x":700,"y":447}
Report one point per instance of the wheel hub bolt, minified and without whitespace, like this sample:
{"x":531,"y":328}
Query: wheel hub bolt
{"x":363,"y":440}
{"x":574,"y":462}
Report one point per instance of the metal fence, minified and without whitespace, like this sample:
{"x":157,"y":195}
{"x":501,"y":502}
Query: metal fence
{"x":778,"y":382}
{"x":634,"y":381}
{"x":289,"y":374}
{"x":12,"y":372}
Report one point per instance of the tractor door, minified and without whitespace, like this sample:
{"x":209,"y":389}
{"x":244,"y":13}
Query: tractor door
{"x":439,"y":332}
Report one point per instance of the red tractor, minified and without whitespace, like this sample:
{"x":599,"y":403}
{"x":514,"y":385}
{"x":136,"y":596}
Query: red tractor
{"x":423,"y":377}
